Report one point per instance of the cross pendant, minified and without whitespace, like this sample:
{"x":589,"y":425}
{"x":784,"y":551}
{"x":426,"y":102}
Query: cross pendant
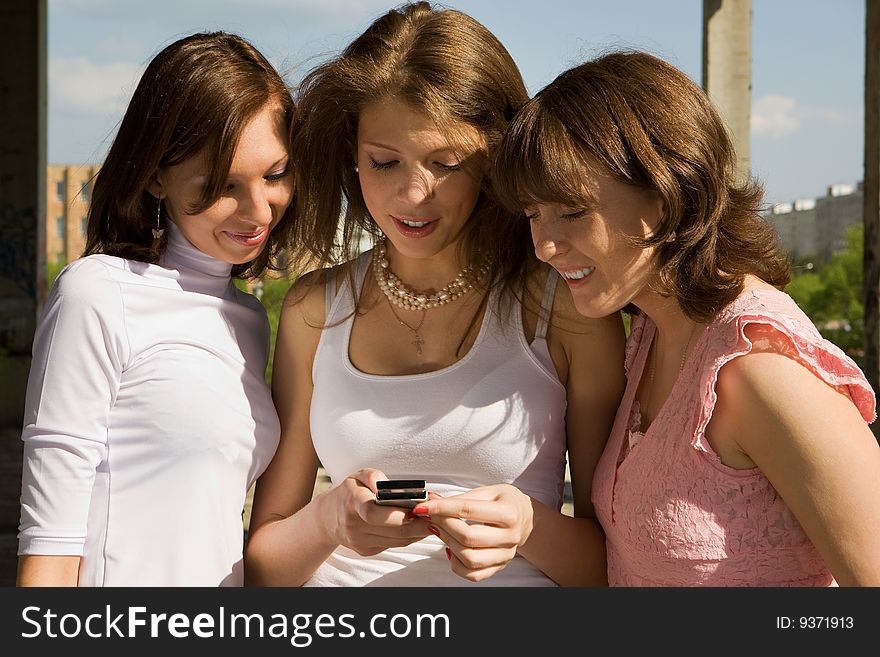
{"x":417,"y":342}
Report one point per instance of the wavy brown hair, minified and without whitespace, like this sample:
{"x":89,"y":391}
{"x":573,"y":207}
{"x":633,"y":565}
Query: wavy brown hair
{"x":438,"y":61}
{"x":196,"y":96}
{"x":647,"y":124}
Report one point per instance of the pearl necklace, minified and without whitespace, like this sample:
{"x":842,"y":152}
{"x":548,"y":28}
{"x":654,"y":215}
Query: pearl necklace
{"x":401,"y":296}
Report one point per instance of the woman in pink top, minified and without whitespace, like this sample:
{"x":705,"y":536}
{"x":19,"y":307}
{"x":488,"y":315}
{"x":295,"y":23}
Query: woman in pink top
{"x":740,"y":454}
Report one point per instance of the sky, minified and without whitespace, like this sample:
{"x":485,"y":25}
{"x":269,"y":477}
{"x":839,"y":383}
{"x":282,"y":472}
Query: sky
{"x":807,"y":63}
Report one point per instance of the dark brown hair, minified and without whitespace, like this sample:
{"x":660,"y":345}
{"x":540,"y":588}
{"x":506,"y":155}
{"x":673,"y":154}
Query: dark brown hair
{"x":196,"y":96}
{"x":439,"y":61}
{"x":647,"y":124}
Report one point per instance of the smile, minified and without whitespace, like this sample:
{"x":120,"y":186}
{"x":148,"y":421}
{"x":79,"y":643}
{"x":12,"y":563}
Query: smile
{"x":249,"y":239}
{"x":578,"y":274}
{"x":414,"y":227}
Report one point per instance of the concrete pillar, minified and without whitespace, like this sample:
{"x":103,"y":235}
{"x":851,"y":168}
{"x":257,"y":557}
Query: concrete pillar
{"x":22,"y":261}
{"x":727,"y":69}
{"x":871,"y":197}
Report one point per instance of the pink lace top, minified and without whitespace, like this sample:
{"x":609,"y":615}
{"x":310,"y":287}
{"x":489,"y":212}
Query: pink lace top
{"x":673,"y":514}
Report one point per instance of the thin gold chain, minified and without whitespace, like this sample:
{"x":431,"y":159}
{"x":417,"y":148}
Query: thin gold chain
{"x":417,"y":340}
{"x":654,"y":362}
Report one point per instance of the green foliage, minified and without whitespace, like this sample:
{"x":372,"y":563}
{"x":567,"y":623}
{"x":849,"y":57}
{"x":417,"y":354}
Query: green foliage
{"x":52,"y":271}
{"x":831,"y":296}
{"x":271,"y":292}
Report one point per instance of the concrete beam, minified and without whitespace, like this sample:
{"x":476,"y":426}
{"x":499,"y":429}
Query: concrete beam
{"x":727,"y":69}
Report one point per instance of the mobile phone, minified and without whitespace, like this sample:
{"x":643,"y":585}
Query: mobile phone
{"x":405,"y":493}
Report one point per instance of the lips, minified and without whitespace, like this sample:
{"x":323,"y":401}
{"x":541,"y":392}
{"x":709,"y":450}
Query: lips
{"x":414,"y":226}
{"x":576,"y":276}
{"x":251,"y":238}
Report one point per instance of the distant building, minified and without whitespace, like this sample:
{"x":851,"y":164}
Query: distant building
{"x":68,"y":195}
{"x":816,"y":228}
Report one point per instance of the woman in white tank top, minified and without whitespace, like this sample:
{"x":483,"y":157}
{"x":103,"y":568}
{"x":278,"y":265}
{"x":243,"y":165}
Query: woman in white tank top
{"x":445,"y":353}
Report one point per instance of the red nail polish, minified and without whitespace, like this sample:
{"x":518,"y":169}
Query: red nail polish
{"x":434,"y":530}
{"x":449,"y":554}
{"x":420,"y":511}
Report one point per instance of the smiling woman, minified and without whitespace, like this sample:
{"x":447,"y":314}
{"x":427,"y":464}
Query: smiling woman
{"x":147,"y":414}
{"x":447,"y":353}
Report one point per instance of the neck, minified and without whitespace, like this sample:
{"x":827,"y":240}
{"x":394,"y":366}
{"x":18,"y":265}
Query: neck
{"x":425,"y":274}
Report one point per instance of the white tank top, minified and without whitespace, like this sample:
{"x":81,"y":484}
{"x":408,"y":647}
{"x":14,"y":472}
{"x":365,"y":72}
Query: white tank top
{"x":495,"y":416}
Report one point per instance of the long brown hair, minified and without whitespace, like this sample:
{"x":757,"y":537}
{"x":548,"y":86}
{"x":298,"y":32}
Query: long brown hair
{"x":439,"y":61}
{"x":197,"y":95}
{"x":647,"y":124}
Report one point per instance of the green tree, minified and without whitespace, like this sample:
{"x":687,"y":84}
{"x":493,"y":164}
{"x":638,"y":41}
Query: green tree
{"x":271,"y":292}
{"x":832,"y":296}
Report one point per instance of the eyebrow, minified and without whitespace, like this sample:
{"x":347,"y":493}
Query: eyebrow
{"x":376,"y":144}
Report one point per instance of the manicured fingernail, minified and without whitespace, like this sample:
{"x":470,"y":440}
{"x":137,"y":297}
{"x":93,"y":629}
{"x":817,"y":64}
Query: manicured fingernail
{"x":449,"y":554}
{"x":434,"y":530}
{"x":420,"y":511}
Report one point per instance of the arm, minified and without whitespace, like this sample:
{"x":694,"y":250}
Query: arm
{"x":38,"y":570}
{"x":594,"y":386}
{"x":291,"y":533}
{"x":79,"y":353}
{"x":509,"y":521}
{"x":812,"y":444}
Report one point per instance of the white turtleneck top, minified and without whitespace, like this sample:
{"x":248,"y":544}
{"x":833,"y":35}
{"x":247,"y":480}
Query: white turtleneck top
{"x":147,"y":419}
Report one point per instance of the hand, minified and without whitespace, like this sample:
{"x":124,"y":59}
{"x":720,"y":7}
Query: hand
{"x":482,"y":528}
{"x":358,"y":523}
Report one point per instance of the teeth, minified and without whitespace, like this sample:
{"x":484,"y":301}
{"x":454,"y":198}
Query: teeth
{"x":578,"y":274}
{"x":415,"y":224}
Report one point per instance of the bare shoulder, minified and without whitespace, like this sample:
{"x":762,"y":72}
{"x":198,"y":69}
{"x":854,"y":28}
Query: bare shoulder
{"x":306,"y":298}
{"x":567,"y":321}
{"x":769,"y":394}
{"x":586,"y":343}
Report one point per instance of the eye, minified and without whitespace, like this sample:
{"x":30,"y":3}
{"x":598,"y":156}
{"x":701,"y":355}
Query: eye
{"x":382,"y":166}
{"x":574,"y":215}
{"x":531,"y":214}
{"x":448,"y":167}
{"x":275,"y":177}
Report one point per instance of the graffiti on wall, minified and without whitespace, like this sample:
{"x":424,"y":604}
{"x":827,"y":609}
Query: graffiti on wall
{"x":19,"y":287}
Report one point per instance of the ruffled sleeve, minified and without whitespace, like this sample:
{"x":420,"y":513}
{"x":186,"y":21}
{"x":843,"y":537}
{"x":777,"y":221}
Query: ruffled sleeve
{"x":777,"y":325}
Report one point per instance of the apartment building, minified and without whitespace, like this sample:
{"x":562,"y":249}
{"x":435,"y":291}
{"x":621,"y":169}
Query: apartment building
{"x":68,"y":194}
{"x":816,"y":228}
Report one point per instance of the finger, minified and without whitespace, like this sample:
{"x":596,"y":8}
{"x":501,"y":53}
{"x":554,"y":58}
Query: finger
{"x":485,"y":511}
{"x":476,"y":569}
{"x":368,"y":477}
{"x":478,"y":535}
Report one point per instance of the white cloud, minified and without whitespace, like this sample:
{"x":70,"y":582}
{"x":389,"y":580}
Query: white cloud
{"x":774,"y":116}
{"x":80,"y":86}
{"x":780,"y":116}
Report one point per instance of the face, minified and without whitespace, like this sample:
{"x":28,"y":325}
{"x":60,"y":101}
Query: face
{"x":416,"y":186}
{"x":258,"y":190}
{"x":589,"y":245}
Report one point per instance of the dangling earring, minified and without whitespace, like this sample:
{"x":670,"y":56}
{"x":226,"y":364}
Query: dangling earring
{"x":158,"y":231}
{"x":356,"y":169}
{"x":671,"y":237}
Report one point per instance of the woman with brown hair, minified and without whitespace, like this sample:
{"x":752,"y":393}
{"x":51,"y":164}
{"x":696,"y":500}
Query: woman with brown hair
{"x":147,"y":415}
{"x":445,"y":353}
{"x":740,"y":455}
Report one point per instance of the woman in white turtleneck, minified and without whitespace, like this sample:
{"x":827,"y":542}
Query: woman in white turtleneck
{"x":147,"y":415}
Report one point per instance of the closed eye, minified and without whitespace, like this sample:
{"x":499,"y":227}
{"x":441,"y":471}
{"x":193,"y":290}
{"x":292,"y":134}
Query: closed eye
{"x":573,"y":216}
{"x":382,"y":166}
{"x":275,"y":177}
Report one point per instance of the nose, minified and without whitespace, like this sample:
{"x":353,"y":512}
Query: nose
{"x":255,"y":206}
{"x":547,"y":245}
{"x":417,"y":186}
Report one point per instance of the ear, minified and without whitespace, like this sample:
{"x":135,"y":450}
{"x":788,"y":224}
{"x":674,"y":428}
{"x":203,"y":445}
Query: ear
{"x":155,"y":186}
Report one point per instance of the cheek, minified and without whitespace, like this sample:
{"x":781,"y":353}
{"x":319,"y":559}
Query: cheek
{"x":372,"y":191}
{"x":462,"y":193}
